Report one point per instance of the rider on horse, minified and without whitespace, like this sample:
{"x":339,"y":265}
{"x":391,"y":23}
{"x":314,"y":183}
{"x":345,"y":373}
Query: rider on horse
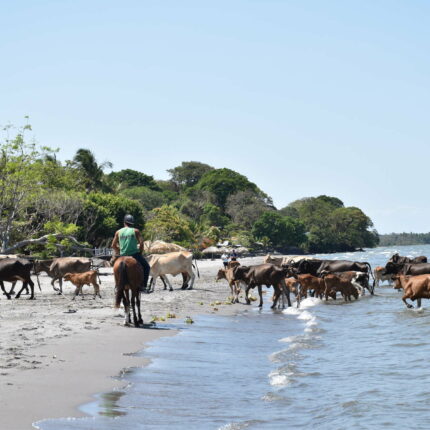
{"x":129,"y":242}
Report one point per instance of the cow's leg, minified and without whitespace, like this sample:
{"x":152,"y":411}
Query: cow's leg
{"x":4,"y":291}
{"x":260,"y":293}
{"x":248,"y":287}
{"x":77,"y":289}
{"x":163,"y":281}
{"x":31,"y":283}
{"x":96,"y":290}
{"x":192,"y":276}
{"x":11,"y":291}
{"x":408,"y":305}
{"x":418,"y":303}
{"x":276,"y":294}
{"x":185,"y":279}
{"x":168,"y":282}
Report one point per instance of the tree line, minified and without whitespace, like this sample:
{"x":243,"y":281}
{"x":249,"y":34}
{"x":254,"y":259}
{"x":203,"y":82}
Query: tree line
{"x":198,"y":206}
{"x":399,"y":239}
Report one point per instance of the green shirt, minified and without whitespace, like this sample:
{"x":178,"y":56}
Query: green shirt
{"x":128,"y":244}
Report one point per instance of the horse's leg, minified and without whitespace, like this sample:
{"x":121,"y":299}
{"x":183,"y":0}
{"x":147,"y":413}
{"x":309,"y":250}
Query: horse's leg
{"x":140,"y":320}
{"x":4,"y":291}
{"x":133,"y":307}
{"x":127,"y":317}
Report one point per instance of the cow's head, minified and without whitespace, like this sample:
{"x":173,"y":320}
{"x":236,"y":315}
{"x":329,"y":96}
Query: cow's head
{"x":220,"y":274}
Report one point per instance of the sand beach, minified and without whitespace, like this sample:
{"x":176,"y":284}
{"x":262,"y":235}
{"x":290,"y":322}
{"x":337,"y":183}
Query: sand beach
{"x":56,"y":353}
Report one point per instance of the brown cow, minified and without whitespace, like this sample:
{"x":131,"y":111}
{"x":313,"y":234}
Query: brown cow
{"x":263,"y":274}
{"x":81,"y":279}
{"x":334,"y":283}
{"x":414,"y":287}
{"x":310,"y":282}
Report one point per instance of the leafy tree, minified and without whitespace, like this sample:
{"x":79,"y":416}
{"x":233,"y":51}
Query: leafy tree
{"x":19,"y":174}
{"x":166,"y":223}
{"x":188,"y":173}
{"x":104,"y":213}
{"x":147,"y":197}
{"x":91,"y":171}
{"x":133,"y":178}
{"x":225,"y":182}
{"x":213,"y":216}
{"x":281,"y":231}
{"x":245,"y":207}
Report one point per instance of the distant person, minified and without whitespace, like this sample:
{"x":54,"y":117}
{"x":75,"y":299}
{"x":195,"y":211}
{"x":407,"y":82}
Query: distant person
{"x":129,"y":242}
{"x":233,"y":255}
{"x":224,"y":258}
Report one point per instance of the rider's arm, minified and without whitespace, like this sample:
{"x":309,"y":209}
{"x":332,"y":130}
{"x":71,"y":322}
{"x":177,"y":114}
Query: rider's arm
{"x":115,"y":243}
{"x":139,"y":239}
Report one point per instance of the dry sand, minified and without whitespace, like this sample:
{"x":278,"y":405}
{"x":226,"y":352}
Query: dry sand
{"x":53,"y":359}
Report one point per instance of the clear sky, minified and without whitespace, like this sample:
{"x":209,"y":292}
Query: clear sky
{"x":304,"y":97}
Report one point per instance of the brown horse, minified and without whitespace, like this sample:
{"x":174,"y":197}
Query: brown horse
{"x":128,"y":277}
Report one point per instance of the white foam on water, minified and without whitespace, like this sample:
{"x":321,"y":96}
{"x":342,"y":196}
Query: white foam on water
{"x":305,"y":315}
{"x":288,"y":339}
{"x":279,"y":380}
{"x":310,"y":302}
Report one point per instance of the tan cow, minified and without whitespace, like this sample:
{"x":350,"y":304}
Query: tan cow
{"x":414,"y":287}
{"x":81,"y":279}
{"x":171,"y":263}
{"x":62,"y":265}
{"x":234,"y":285}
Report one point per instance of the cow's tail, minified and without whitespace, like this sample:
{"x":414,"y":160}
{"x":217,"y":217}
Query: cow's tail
{"x":195,"y":266}
{"x":373,"y":277}
{"x":122,"y":272}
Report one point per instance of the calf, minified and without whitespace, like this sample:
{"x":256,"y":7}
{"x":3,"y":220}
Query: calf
{"x":414,"y":287}
{"x":81,"y":279}
{"x":380,"y":276}
{"x":334,"y":283}
{"x":234,"y":285}
{"x":310,"y":282}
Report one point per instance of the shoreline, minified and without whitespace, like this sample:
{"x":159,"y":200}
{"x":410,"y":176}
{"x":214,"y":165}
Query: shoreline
{"x":55,"y":361}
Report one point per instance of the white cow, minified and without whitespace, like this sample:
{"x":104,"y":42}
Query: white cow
{"x":171,"y":263}
{"x":378,"y":275}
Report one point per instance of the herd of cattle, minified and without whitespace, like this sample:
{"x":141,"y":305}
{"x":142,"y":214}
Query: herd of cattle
{"x":325,"y":278}
{"x":301,"y":276}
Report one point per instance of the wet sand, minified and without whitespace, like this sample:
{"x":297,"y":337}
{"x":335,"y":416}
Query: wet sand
{"x":56,"y":353}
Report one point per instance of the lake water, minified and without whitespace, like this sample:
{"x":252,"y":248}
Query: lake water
{"x":328,"y":365}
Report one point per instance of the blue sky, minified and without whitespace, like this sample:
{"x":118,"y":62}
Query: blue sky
{"x":302,"y":97}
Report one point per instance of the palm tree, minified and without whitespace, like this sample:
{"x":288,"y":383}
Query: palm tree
{"x":92,"y":172}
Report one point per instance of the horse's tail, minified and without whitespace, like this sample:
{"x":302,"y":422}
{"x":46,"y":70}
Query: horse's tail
{"x":195,"y":266}
{"x":122,"y":272}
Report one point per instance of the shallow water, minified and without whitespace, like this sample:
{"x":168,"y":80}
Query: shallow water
{"x":328,"y":365}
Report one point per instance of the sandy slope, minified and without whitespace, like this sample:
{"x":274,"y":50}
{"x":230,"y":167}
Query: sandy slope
{"x":52,"y":359}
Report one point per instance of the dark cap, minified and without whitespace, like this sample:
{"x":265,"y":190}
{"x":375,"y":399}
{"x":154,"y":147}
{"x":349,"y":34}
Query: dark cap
{"x":129,"y":219}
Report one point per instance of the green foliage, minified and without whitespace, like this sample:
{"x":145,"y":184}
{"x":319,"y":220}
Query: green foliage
{"x":212,"y":216}
{"x":404,"y":239}
{"x":104,"y":213}
{"x":223,"y":183}
{"x":58,"y":227}
{"x":245,"y":207}
{"x":168,"y":224}
{"x":188,"y":173}
{"x":281,"y":231}
{"x":148,"y":198}
{"x":132,"y":178}
{"x":92,"y":176}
